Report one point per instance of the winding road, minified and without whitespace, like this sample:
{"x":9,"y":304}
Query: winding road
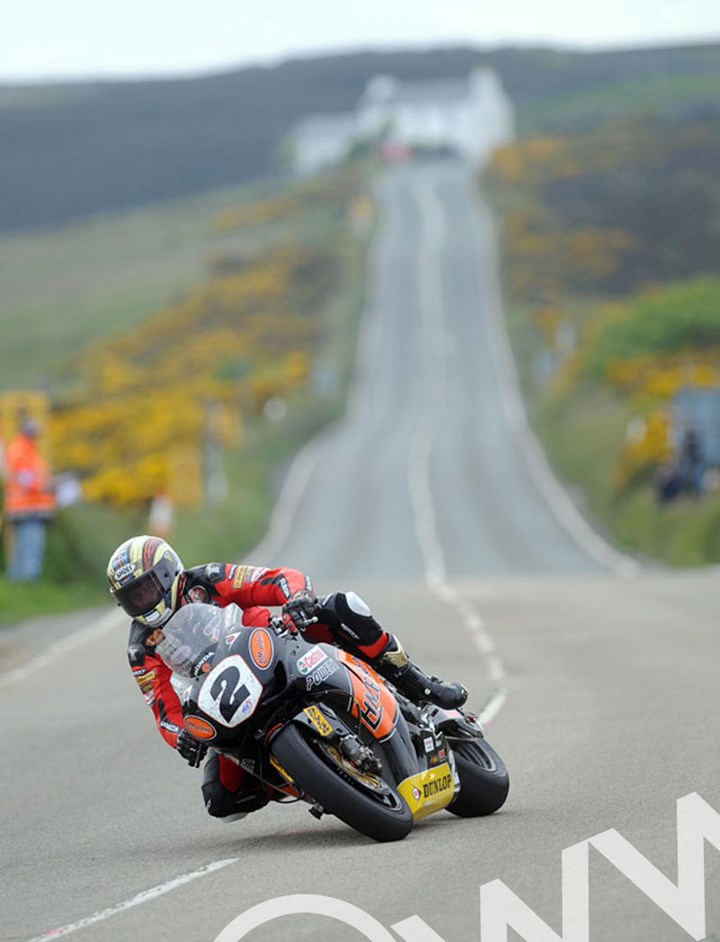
{"x":597,"y":679}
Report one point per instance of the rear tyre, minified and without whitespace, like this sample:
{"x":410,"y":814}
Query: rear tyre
{"x":362,"y":801}
{"x":484,"y":780}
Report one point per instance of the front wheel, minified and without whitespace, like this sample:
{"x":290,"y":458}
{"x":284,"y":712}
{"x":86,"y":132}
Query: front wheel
{"x":363,"y":801}
{"x":484,"y":780}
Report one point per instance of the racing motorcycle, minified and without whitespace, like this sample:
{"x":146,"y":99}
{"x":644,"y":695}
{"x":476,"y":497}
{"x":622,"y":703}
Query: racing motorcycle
{"x":314,"y":723}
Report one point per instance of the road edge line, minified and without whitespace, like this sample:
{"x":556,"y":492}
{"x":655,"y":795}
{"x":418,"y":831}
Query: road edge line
{"x":144,"y":896}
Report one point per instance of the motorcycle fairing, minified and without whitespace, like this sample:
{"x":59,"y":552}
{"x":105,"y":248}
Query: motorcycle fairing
{"x":373,"y":703}
{"x":429,"y":791}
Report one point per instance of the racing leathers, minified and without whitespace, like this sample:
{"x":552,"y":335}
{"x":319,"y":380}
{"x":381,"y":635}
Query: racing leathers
{"x":343,"y":619}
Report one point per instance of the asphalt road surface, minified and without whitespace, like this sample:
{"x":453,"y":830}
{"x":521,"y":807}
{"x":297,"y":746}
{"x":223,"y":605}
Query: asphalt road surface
{"x":597,"y":680}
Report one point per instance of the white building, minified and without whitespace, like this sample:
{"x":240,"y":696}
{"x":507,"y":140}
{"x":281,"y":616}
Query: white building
{"x":469,"y":116}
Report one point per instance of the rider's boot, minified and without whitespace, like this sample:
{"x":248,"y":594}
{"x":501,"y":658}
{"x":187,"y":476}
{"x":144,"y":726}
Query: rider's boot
{"x":395,"y":665}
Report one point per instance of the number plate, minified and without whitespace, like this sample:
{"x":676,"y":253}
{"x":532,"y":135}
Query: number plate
{"x":231,"y":692}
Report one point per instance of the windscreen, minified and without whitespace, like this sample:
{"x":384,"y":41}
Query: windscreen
{"x":191,"y":636}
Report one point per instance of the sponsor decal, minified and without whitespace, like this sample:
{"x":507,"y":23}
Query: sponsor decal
{"x":154,"y":638}
{"x":124,"y":572}
{"x":318,"y":720}
{"x":429,"y":744}
{"x":145,"y":679}
{"x":321,"y":674}
{"x":198,"y":593}
{"x":249,"y":765}
{"x":233,"y":636}
{"x":200,"y":728}
{"x":245,"y":574}
{"x":371,"y":709}
{"x":437,"y":786}
{"x":246,"y":708}
{"x":149,"y":696}
{"x":261,"y":648}
{"x":170,"y":727}
{"x":276,"y":765}
{"x":214,"y":572}
{"x":430,"y":791}
{"x":203,"y":665}
{"x":308,"y":662}
{"x":240,"y":576}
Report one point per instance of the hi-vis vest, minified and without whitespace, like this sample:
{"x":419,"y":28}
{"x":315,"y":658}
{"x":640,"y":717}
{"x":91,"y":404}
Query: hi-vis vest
{"x":28,"y":485}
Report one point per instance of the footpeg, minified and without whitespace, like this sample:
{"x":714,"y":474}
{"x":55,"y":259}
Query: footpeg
{"x":317,"y":811}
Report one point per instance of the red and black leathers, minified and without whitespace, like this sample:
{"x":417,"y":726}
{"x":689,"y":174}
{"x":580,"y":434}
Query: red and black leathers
{"x":344,"y":620}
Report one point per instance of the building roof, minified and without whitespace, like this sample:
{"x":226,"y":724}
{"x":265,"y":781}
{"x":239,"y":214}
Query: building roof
{"x":394,"y":92}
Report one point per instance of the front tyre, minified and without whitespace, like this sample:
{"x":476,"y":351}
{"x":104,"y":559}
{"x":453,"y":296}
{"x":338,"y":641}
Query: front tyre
{"x":484,"y":780}
{"x":364,"y":802}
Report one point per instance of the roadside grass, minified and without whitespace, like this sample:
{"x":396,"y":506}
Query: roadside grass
{"x":19,"y":602}
{"x":583,"y":435}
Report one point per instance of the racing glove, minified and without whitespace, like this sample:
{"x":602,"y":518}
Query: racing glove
{"x":298,"y":613}
{"x":190,"y":749}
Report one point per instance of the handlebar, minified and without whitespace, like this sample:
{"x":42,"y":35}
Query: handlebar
{"x":279,"y":627}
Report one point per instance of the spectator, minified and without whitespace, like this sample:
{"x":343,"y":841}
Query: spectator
{"x":691,"y":461}
{"x":667,"y":483}
{"x":29,"y":503}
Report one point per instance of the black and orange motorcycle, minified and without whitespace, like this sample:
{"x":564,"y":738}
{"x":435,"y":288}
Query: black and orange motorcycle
{"x":314,"y":723}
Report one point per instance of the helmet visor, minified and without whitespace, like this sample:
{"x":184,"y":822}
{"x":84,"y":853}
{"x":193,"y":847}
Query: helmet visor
{"x":147,"y":592}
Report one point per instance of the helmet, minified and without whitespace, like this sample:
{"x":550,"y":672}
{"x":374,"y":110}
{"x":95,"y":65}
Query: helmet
{"x":144,"y":575}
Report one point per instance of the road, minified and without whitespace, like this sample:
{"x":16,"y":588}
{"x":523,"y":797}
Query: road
{"x":597,"y":679}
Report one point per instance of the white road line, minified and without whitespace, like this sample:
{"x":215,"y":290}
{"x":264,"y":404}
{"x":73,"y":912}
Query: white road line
{"x":138,"y":900}
{"x":550,"y":488}
{"x":107,"y":623}
{"x":432,"y":309}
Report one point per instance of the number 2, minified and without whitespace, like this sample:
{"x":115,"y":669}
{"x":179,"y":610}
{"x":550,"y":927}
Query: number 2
{"x":230,"y":692}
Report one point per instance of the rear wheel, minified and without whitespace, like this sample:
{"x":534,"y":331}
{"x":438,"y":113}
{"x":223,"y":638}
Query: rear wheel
{"x":363,"y":801}
{"x":484,"y":780}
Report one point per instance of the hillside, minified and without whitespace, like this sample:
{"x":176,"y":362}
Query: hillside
{"x":78,"y":150}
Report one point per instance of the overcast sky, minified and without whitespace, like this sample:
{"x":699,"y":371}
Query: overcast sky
{"x":85,"y":38}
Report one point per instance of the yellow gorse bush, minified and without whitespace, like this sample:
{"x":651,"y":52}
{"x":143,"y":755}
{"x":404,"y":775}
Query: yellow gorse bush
{"x":645,"y":450}
{"x":237,"y":340}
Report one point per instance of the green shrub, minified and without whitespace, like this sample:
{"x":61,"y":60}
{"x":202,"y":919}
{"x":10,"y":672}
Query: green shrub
{"x":681,"y":316}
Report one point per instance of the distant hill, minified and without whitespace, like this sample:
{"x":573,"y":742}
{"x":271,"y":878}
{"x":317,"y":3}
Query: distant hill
{"x":69,"y":151}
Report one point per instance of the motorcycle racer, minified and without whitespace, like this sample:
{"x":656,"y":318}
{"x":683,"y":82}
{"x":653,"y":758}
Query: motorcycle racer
{"x":148,"y":581}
